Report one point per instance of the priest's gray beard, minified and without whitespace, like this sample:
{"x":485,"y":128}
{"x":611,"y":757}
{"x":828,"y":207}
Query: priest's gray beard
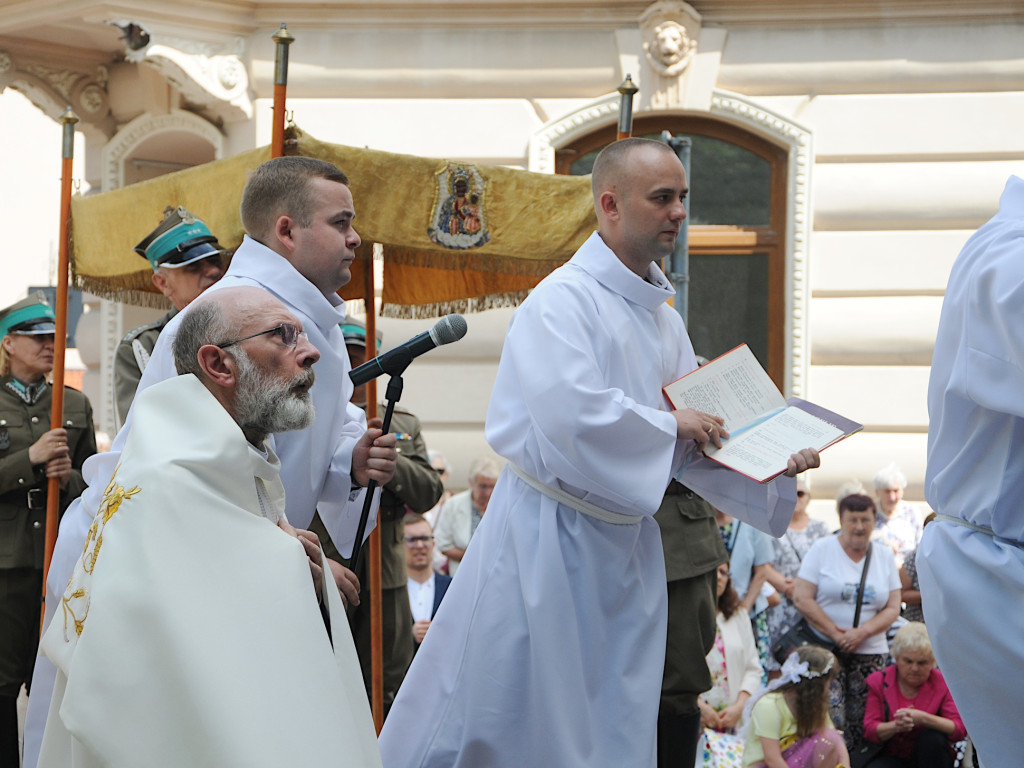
{"x":267,"y":404}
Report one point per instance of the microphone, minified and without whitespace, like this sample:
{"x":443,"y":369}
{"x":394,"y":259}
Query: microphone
{"x":448,"y":329}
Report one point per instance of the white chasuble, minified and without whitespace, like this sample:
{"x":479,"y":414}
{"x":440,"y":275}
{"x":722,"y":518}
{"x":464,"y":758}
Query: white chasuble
{"x":190,"y":633}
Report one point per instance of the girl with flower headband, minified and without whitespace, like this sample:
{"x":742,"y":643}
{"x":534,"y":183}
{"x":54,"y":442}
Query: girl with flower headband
{"x":789,"y":723}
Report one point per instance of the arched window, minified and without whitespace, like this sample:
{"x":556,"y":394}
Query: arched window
{"x":737,"y":232}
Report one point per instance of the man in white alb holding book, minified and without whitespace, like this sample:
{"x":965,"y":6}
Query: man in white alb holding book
{"x":549,"y":647}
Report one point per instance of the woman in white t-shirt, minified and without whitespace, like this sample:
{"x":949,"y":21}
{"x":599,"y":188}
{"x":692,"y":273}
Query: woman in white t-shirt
{"x":826,"y":594}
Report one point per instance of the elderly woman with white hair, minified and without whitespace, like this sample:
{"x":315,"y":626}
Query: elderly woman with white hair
{"x":909,"y":708}
{"x":464,"y":511}
{"x":899,"y":524}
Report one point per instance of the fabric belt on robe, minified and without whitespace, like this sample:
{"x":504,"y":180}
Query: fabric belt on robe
{"x":979,"y":528}
{"x":592,"y":510}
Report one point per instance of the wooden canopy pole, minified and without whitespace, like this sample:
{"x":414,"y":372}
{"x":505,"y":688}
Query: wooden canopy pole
{"x":68,"y":120}
{"x":376,"y":610}
{"x":283,"y":38}
{"x":626,"y":92}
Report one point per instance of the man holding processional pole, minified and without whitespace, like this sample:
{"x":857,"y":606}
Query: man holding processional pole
{"x":32,"y":458}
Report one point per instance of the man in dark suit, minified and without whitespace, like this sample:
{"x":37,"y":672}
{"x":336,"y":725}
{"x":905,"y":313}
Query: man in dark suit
{"x":426,"y":586}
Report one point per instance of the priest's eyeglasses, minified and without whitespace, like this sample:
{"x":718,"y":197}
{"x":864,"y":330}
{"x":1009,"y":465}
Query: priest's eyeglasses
{"x":412,"y":541}
{"x":289,"y":334}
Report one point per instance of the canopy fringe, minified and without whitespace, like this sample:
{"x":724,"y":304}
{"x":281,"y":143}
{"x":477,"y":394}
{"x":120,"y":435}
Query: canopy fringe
{"x":461,"y":306}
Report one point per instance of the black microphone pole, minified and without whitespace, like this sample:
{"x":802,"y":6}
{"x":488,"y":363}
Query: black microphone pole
{"x":393,"y":395}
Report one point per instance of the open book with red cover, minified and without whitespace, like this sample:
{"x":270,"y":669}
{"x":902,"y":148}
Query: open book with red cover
{"x":764,"y":428}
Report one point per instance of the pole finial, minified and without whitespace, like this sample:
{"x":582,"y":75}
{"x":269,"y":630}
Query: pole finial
{"x":628,"y":87}
{"x":283,"y":36}
{"x":68,"y":116}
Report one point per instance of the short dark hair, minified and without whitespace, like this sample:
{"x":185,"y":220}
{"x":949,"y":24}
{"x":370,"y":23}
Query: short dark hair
{"x":857,"y":502}
{"x":612,"y":159}
{"x":415,"y":517}
{"x":281,"y":187}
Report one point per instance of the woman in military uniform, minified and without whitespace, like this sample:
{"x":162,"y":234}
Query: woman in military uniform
{"x":30,"y":453}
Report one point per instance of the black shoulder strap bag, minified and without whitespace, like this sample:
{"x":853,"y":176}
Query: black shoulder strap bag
{"x":802,"y":633}
{"x":860,"y":587}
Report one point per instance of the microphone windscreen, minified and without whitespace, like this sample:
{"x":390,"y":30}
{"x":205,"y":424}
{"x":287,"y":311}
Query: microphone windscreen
{"x":448,"y":329}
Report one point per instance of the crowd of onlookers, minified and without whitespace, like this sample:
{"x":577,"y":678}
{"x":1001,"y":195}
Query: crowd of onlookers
{"x":853,"y":593}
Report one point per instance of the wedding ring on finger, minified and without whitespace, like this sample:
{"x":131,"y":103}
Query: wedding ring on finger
{"x":710,"y":428}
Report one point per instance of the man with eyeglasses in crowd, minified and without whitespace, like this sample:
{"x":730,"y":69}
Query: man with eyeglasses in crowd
{"x":426,"y":586}
{"x":298,"y":213}
{"x":186,"y":260}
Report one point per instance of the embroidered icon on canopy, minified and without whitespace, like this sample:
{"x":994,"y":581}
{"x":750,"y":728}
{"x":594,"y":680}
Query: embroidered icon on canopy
{"x":459,"y":219}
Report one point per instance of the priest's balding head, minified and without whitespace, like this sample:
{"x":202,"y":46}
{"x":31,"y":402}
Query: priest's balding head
{"x":252,"y":354}
{"x":639,"y":194}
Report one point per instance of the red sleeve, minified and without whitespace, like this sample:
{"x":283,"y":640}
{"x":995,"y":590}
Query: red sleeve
{"x":874,"y":709}
{"x":947,"y":707}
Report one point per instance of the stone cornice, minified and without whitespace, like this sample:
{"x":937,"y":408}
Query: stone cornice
{"x":245,"y":17}
{"x":607,"y":14}
{"x":54,"y":86}
{"x":208,"y":74}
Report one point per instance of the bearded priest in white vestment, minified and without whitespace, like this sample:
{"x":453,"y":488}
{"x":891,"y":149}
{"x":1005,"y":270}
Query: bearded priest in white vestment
{"x":191,"y":632}
{"x":549,"y":647}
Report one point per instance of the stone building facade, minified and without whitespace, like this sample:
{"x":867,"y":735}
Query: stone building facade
{"x":842,"y":151}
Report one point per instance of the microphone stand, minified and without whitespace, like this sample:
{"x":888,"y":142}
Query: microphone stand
{"x":393,"y":395}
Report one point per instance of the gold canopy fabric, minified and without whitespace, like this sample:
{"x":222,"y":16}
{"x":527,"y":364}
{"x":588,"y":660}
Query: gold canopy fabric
{"x":443,"y":251}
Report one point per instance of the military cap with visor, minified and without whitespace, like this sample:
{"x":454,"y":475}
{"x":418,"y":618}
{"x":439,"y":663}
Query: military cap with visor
{"x":354,"y":332}
{"x":31,"y":316}
{"x":180,"y":239}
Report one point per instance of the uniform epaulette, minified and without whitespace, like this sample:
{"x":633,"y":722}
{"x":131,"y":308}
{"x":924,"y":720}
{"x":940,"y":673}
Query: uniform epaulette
{"x":398,"y":409}
{"x":134,"y":333}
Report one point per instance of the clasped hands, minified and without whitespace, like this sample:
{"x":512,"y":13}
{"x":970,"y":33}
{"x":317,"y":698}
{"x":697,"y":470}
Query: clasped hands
{"x":705,"y":429}
{"x":849,"y":640}
{"x":348,"y":583}
{"x":905,"y":719}
{"x":725,"y":720}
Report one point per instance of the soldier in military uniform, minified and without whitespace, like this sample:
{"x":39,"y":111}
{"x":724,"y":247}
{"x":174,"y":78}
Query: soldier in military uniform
{"x":693,"y":551}
{"x":186,"y":260}
{"x":416,"y":486}
{"x":30,"y":453}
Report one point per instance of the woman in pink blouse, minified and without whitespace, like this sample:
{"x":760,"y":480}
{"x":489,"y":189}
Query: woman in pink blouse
{"x":909,"y":708}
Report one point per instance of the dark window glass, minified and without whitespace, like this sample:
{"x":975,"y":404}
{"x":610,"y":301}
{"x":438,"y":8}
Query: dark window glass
{"x":728,"y":304}
{"x":729,"y":184}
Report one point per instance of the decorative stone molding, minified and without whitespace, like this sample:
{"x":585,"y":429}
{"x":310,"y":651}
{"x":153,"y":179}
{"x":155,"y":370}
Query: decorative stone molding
{"x":566,"y":129}
{"x":203,"y":73}
{"x":52,"y":88}
{"x":113,"y":157}
{"x":670,"y":30}
{"x":111,"y":331}
{"x":146,"y":126}
{"x":796,"y":139}
{"x":776,"y":128}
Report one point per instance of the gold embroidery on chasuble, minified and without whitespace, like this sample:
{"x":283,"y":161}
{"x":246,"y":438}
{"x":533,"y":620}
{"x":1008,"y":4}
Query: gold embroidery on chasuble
{"x":459,"y":216}
{"x":75,"y":601}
